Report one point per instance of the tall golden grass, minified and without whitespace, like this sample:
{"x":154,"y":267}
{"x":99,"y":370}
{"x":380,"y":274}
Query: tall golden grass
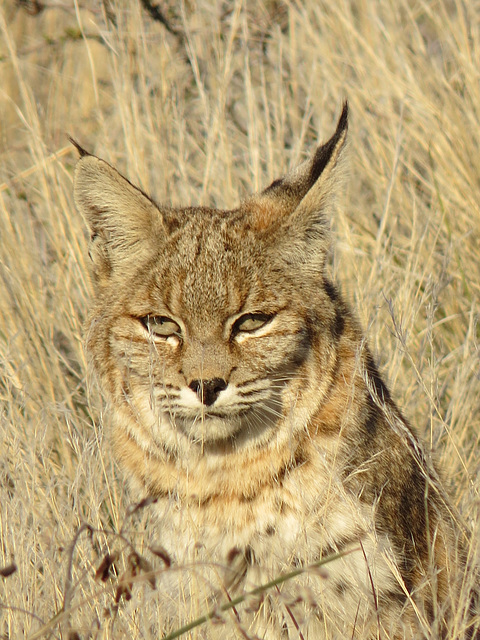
{"x":212,"y":105}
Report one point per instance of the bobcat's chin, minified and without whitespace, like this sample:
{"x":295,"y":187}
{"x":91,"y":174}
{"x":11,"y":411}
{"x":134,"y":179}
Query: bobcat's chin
{"x":238,"y":430}
{"x":211,"y":429}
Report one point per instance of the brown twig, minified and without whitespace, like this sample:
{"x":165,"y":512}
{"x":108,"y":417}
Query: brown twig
{"x":156,"y":14}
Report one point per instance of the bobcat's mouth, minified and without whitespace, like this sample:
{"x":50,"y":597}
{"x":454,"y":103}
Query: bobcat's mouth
{"x":207,"y":414}
{"x":243,"y":415}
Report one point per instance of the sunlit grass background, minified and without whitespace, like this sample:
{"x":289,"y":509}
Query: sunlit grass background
{"x":216,"y":101}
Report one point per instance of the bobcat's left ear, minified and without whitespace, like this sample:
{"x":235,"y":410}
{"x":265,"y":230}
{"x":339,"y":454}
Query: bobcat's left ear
{"x":296,"y":207}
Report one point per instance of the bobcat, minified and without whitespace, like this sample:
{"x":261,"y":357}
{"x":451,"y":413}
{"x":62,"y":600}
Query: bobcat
{"x":245,"y":400}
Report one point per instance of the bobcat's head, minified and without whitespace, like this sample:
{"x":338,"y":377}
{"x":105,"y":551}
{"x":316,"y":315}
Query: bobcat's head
{"x":213,"y":328}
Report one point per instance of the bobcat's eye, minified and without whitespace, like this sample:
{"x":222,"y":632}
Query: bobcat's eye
{"x":250,"y":322}
{"x":161,"y":326}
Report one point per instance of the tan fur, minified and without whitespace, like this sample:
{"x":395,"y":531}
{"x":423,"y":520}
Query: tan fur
{"x":281,"y":440}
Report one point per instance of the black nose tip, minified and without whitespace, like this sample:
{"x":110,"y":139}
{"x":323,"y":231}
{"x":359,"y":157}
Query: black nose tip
{"x":208,"y":390}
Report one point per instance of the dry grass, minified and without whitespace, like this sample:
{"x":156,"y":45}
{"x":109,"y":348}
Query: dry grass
{"x":221,"y":106}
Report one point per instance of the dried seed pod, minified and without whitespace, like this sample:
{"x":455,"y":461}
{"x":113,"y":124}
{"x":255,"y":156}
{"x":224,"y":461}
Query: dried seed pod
{"x":8,"y":570}
{"x":162,"y":553}
{"x":103,"y":571}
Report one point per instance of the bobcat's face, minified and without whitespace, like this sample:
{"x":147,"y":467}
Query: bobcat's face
{"x":209,"y":334}
{"x":212,"y":326}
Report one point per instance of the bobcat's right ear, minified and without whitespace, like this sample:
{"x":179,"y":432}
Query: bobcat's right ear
{"x":120,"y":217}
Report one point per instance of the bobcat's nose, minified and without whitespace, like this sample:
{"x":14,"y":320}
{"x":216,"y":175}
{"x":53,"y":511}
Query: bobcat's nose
{"x":208,"y":390}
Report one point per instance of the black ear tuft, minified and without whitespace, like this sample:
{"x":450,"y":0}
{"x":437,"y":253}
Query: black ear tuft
{"x":79,"y":148}
{"x":324,"y":153}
